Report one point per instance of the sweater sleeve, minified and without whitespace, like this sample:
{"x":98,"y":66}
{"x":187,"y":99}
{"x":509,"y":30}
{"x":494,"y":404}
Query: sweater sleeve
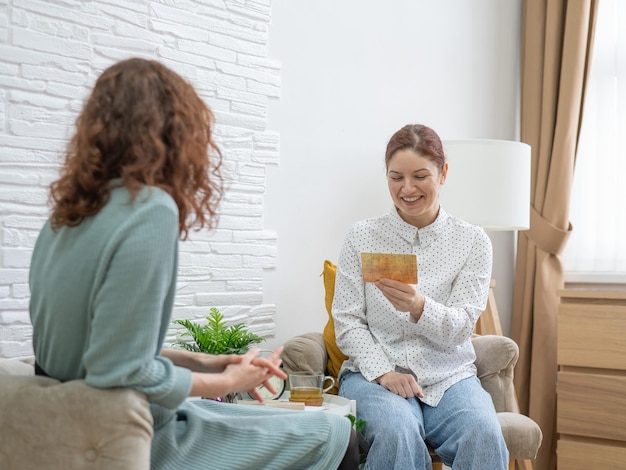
{"x":131,"y":307}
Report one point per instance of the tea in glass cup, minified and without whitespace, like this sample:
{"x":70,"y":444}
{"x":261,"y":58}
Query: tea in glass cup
{"x":309,"y":388}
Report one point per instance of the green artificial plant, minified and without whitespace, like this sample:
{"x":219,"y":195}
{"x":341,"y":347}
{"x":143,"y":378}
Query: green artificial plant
{"x":216,"y":337}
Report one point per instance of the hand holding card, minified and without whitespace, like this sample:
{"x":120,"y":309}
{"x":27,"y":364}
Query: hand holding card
{"x":399,"y":267}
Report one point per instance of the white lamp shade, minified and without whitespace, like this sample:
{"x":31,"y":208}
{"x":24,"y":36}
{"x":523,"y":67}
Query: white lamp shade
{"x":488,"y":183}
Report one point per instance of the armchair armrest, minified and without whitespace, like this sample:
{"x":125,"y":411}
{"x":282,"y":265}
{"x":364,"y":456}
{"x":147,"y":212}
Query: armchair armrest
{"x":496,"y":357}
{"x":305,"y":353}
{"x":65,"y":426}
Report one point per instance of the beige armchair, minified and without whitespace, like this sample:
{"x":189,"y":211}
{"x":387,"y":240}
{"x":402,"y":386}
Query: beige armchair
{"x":65,"y":426}
{"x":496,"y":357}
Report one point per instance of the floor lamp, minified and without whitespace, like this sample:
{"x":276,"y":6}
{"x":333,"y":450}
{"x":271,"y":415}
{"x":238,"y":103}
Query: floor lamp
{"x":488,"y":184}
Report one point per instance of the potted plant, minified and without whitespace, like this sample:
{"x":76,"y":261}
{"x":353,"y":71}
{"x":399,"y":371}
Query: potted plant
{"x":216,"y":337}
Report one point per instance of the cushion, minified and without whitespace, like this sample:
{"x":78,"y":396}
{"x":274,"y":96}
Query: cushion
{"x":70,"y":425}
{"x":15,"y":367}
{"x":522,"y":435}
{"x":305,"y":353}
{"x":335,"y":356}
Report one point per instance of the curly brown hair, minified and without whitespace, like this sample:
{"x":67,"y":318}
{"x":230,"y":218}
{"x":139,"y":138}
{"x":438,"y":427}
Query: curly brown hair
{"x":145,"y":124}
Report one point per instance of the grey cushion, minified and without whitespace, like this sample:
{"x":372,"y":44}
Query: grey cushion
{"x":15,"y":367}
{"x":66,"y":426}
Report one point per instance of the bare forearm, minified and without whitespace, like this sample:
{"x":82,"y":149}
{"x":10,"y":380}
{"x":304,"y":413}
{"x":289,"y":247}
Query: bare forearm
{"x":194,"y":361}
{"x":210,"y":385}
{"x":416,"y":308}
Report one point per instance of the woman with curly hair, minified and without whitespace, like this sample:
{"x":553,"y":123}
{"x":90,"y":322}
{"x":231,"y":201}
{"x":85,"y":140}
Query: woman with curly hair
{"x":142,"y":170}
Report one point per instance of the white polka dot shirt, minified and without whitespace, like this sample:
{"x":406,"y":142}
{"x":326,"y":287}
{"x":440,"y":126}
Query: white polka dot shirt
{"x":454,"y":270}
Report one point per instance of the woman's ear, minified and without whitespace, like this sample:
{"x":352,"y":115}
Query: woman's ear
{"x":444,"y":173}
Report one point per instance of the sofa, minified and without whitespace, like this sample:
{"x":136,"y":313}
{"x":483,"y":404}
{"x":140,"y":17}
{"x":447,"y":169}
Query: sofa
{"x":65,"y":426}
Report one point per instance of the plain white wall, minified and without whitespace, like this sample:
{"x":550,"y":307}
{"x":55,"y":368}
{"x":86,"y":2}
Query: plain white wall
{"x":353,"y":72}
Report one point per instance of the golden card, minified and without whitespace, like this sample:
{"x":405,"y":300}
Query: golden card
{"x":399,"y":267}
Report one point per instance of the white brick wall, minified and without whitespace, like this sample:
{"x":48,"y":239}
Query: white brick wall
{"x":52,"y":51}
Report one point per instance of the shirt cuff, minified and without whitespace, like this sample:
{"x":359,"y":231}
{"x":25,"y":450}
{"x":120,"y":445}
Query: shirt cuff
{"x":427,"y":303}
{"x":178,"y":393}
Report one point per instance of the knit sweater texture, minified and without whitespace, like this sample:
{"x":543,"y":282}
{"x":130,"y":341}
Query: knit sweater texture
{"x":102,"y":295}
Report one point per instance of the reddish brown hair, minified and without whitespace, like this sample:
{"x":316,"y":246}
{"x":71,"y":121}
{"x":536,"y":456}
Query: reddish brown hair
{"x":421,"y":139}
{"x":145,"y":124}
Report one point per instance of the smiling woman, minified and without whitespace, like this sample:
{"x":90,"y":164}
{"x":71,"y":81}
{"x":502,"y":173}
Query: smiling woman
{"x":416,"y":169}
{"x":414,"y":182}
{"x":410,"y":359}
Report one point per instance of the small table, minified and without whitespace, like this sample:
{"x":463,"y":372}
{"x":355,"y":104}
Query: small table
{"x":332,"y":404}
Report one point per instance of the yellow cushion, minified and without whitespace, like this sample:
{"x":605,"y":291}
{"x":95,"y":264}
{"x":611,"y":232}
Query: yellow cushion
{"x":335,"y":356}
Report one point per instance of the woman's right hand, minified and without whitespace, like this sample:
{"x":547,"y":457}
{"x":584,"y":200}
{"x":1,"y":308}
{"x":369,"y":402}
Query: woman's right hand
{"x":404,"y":385}
{"x":253,"y":371}
{"x":247,"y":373}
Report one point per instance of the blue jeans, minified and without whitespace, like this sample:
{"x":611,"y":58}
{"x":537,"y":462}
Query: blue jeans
{"x":463,"y":428}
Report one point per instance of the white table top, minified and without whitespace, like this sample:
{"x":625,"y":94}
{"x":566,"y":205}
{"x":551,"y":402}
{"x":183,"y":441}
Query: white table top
{"x":332,"y":404}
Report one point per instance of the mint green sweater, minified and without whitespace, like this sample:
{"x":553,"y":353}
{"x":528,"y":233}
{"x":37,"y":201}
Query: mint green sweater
{"x":101,"y":300}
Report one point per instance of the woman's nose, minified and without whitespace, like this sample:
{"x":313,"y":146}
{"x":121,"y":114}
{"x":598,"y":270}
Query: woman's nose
{"x":408,"y":185}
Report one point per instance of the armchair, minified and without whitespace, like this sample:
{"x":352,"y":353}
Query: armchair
{"x":63,"y":426}
{"x":496,"y":356}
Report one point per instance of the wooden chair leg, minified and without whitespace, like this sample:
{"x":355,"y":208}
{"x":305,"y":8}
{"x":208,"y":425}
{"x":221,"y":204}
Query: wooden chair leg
{"x":439,"y":465}
{"x":521,"y":465}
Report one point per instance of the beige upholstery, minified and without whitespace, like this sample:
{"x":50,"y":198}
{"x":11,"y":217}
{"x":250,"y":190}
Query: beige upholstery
{"x":496,"y":357}
{"x":66,"y":426}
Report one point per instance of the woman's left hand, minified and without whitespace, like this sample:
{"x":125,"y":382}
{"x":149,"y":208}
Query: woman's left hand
{"x":404,"y":297}
{"x":215,"y":363}
{"x":219,"y":362}
{"x":200,"y":362}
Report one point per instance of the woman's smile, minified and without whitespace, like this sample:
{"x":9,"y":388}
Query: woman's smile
{"x":414,"y":182}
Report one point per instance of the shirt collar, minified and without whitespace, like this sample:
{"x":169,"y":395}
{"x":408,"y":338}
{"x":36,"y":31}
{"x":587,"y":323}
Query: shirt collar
{"x":423,"y":236}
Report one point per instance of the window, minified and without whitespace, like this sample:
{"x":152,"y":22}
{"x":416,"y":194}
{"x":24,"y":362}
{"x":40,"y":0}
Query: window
{"x":596,"y":250}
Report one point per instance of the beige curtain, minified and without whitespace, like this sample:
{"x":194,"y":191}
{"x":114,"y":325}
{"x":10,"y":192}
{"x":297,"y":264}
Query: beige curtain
{"x":556,"y":44}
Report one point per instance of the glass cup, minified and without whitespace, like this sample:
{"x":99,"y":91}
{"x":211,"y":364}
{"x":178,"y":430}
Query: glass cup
{"x":309,"y":388}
